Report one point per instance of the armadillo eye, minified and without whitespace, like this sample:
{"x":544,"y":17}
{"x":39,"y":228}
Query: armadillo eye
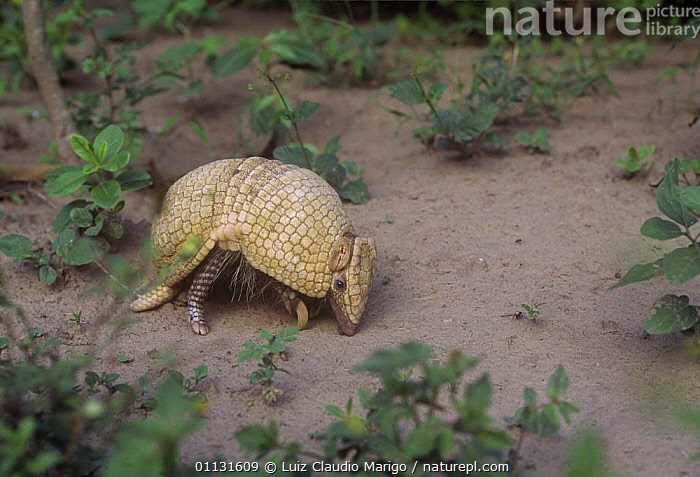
{"x":339,"y":285}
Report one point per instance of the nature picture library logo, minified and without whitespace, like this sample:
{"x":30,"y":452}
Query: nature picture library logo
{"x":592,"y":21}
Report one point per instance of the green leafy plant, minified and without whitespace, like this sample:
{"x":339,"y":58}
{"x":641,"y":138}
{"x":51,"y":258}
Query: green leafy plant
{"x":51,"y":425}
{"x":691,"y":99}
{"x":171,"y":15}
{"x":60,"y":32}
{"x":80,"y":222}
{"x":672,"y":312}
{"x":458,"y":128}
{"x":344,"y":176}
{"x":266,"y":353}
{"x":20,"y":247}
{"x":151,"y":447}
{"x":543,"y":420}
{"x":347,"y":53}
{"x":636,"y":160}
{"x":405,"y":424}
{"x":533,"y":311}
{"x":535,"y":142}
{"x":552,"y":90}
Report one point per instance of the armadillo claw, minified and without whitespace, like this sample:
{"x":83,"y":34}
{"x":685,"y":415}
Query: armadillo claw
{"x":302,"y":314}
{"x":200,"y":327}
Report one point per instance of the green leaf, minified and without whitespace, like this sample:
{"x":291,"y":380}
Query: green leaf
{"x":133,"y":179}
{"x":355,"y":191}
{"x":81,"y":217}
{"x":84,"y":250}
{"x":523,"y":137}
{"x":201,"y":372}
{"x":232,"y":61}
{"x":334,"y":411}
{"x":47,"y":275}
{"x":4,"y":342}
{"x":558,"y":383}
{"x":95,"y":229}
{"x":198,"y":128}
{"x":688,"y":196}
{"x":671,"y":313}
{"x":109,"y":140}
{"x":529,"y":396}
{"x":258,"y":439}
{"x":113,"y":226}
{"x":106,"y":194}
{"x":65,"y":180}
{"x":666,"y":200}
{"x":682,"y":264}
{"x":333,"y":145}
{"x":304,"y":110}
{"x":388,"y":361}
{"x":124,"y":359}
{"x":478,"y":394}
{"x":324,"y":164}
{"x":548,"y":420}
{"x":117,"y":162}
{"x":640,"y":273}
{"x":82,"y":148}
{"x":16,"y":246}
{"x":408,"y":92}
{"x":586,"y":459}
{"x":172,"y":120}
{"x":422,"y":440}
{"x":660,"y":229}
{"x":64,"y":241}
{"x":292,"y":155}
{"x":566,"y":409}
{"x":436,"y":90}
{"x":176,"y":376}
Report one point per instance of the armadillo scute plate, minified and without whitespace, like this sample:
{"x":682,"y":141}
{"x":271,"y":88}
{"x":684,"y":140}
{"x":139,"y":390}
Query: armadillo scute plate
{"x":287,"y":222}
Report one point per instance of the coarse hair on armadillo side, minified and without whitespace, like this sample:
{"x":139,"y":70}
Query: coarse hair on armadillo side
{"x":243,"y":279}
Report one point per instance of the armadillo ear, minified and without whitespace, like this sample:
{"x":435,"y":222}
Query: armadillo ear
{"x":340,"y":253}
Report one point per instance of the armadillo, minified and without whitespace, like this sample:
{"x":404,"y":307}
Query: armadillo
{"x":284,"y":221}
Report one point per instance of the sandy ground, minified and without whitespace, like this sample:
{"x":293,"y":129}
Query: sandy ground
{"x":467,"y":243}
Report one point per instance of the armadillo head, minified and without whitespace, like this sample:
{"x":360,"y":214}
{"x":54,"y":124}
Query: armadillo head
{"x":353,"y":262}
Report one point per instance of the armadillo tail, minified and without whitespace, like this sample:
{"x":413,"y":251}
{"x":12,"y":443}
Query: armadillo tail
{"x":156,"y":297}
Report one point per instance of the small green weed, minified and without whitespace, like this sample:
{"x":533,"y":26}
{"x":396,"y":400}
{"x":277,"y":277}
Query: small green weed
{"x":672,"y":312}
{"x":344,"y":176}
{"x":172,"y":15}
{"x":535,"y":142}
{"x":450,"y":129}
{"x":545,"y":419}
{"x":347,"y":53}
{"x":691,"y":99}
{"x":406,"y":424}
{"x":58,"y":427}
{"x":20,"y":247}
{"x":60,"y":32}
{"x":533,"y":311}
{"x":275,"y":346}
{"x":636,"y":160}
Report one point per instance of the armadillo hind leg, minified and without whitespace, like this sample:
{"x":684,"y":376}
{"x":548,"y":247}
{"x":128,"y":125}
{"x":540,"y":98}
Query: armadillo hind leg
{"x":171,"y":285}
{"x":201,"y":285}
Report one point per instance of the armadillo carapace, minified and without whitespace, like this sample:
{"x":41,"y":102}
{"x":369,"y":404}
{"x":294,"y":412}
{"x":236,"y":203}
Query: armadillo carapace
{"x":286,"y":221}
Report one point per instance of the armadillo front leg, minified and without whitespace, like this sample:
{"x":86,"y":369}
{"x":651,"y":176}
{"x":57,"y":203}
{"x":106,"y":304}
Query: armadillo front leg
{"x":292,"y":301}
{"x":200,"y":288}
